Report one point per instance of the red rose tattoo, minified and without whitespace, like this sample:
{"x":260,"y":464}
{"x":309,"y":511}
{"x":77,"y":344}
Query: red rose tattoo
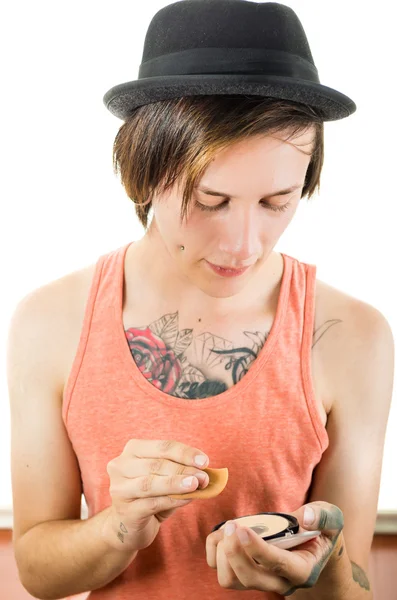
{"x":154,"y":359}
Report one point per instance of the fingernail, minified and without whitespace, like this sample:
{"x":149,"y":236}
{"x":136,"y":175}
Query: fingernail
{"x":243,"y":536}
{"x":202,"y":477}
{"x":200,"y":460}
{"x":230,"y":528}
{"x":308,"y":516}
{"x":187,"y":482}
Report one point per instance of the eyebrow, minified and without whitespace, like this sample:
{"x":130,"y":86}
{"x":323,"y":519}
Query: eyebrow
{"x":279,"y":193}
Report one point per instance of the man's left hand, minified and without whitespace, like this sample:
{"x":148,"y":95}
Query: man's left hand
{"x":258,"y":565}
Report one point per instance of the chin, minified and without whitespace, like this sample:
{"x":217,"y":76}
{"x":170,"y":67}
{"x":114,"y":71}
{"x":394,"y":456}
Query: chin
{"x":220,"y":294}
{"x":221,"y":289}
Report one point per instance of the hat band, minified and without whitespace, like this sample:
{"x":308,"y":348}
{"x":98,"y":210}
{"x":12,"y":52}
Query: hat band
{"x":234,"y":61}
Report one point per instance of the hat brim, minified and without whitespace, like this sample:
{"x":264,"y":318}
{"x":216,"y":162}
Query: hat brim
{"x":122,"y":99}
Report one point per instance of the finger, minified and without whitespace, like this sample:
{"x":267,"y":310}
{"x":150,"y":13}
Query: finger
{"x":218,"y":479}
{"x":131,"y":468}
{"x":143,"y":508}
{"x":211,"y":543}
{"x":269,"y":565}
{"x":169,"y":449}
{"x":323,"y":516}
{"x":165,"y":514}
{"x":239,"y":571}
{"x":321,"y":549}
{"x":149,"y":486}
{"x":226,"y":576}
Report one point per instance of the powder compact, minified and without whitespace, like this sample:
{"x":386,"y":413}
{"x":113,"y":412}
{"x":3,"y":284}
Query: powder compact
{"x":278,"y":529}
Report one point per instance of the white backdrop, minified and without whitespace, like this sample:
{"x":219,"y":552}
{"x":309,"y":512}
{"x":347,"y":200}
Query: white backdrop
{"x":62,"y":206}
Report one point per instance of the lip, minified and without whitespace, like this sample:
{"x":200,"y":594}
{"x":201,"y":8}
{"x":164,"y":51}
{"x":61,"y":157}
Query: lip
{"x":227,"y":272}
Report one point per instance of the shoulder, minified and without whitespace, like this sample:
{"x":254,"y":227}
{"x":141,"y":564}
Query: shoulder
{"x":58,"y":298}
{"x":47,"y":322}
{"x":355,"y":316}
{"x":350,"y":336}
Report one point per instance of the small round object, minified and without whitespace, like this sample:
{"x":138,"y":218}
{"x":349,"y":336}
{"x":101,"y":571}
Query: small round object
{"x":268,"y":525}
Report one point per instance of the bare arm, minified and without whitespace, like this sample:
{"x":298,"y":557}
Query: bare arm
{"x":359,"y":359}
{"x":57,"y":553}
{"x":65,"y":557}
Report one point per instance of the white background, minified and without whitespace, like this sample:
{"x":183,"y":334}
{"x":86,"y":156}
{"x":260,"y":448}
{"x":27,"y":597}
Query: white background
{"x":62,"y":206}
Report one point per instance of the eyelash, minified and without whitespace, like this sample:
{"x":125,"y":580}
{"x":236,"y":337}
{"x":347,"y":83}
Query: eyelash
{"x":274,"y":208}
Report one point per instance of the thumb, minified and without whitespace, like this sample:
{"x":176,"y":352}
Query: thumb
{"x":323,"y":516}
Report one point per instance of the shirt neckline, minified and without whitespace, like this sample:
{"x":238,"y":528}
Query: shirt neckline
{"x":128,"y":363}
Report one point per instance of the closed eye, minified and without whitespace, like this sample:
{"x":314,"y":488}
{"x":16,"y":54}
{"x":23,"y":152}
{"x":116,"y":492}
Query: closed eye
{"x":272,"y":207}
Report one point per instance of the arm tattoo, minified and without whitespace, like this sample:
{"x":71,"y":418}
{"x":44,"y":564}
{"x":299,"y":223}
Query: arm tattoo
{"x":332,"y":520}
{"x":318,"y":334}
{"x":360,"y":576}
{"x":120,"y":534}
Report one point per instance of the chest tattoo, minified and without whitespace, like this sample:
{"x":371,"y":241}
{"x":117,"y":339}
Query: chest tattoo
{"x":187,"y":366}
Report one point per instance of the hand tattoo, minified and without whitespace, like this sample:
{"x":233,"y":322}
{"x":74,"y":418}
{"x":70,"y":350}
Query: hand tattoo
{"x":332,"y":519}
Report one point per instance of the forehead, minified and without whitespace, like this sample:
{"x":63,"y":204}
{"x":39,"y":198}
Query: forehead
{"x":275,"y":151}
{"x":304,"y":141}
{"x":258,"y":165}
{"x":271,"y":145}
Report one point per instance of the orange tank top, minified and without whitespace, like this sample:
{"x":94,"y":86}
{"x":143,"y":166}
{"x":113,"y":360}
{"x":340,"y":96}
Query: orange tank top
{"x":266,"y":429}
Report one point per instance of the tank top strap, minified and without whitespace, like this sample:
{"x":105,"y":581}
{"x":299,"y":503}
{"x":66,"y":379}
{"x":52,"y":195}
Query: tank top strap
{"x":104,"y":299}
{"x":295,"y":339}
{"x":299,"y":304}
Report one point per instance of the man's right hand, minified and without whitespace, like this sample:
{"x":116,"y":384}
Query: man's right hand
{"x":141,"y":479}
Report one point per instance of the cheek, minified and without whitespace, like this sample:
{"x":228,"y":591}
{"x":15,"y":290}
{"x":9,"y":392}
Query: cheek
{"x":196,"y":233}
{"x":286,"y":218}
{"x":282,"y":220}
{"x":169,"y":225}
{"x":201,"y":228}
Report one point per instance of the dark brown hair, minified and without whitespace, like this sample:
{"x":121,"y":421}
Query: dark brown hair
{"x":178,"y":138}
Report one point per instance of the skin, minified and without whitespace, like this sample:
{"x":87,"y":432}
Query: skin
{"x":243,"y":232}
{"x":256,"y":565}
{"x":200,"y":366}
{"x":332,"y":521}
{"x":217,"y":364}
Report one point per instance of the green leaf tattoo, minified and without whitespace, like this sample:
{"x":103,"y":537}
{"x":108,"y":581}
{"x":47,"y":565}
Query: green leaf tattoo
{"x":360,"y":576}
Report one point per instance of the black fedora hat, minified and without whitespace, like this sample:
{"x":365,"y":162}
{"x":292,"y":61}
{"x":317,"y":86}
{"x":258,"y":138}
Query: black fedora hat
{"x":201,"y":47}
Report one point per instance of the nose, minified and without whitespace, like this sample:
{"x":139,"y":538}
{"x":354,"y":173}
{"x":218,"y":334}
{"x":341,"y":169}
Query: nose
{"x":239,"y":240}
